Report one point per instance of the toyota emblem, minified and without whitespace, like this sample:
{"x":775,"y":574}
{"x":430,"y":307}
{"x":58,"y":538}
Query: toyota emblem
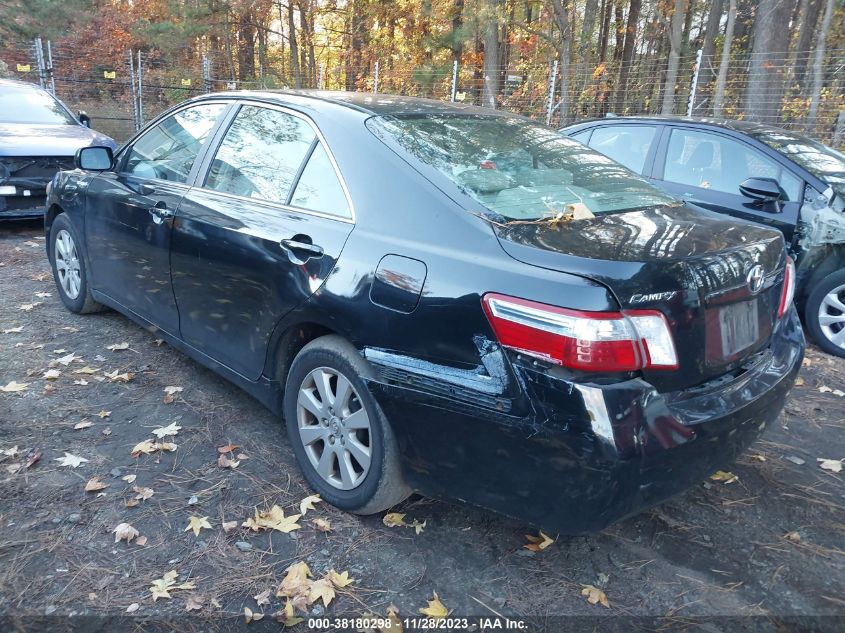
{"x":755,"y":277}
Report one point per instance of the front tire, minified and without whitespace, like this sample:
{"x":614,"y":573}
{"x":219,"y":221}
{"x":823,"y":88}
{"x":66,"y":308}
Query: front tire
{"x":69,"y":269}
{"x":340,"y":436}
{"x":824,"y":313}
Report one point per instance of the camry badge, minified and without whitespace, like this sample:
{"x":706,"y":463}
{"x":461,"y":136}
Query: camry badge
{"x":755,"y":277}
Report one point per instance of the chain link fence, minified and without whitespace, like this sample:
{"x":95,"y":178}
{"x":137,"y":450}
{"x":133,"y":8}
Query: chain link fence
{"x":786,"y":90}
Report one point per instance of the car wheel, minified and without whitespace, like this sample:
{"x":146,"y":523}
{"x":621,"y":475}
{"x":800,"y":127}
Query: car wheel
{"x":341,"y":438}
{"x":69,"y":267}
{"x":824,"y":313}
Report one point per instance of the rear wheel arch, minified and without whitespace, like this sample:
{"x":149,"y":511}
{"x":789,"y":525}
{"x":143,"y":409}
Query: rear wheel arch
{"x":815,"y":265}
{"x":289,"y":344}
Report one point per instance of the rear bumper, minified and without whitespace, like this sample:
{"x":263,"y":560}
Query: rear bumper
{"x":588,"y":455}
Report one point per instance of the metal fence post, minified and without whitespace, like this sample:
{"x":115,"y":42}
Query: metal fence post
{"x":50,"y":67}
{"x":454,"y":90}
{"x":550,"y":106}
{"x":140,"y":94}
{"x":839,"y":130}
{"x":321,"y":77}
{"x":134,"y":92}
{"x":375,"y":78}
{"x":206,"y":73}
{"x":694,"y":86}
{"x":39,"y":57}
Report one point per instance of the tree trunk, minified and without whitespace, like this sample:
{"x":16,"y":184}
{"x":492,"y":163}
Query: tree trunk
{"x":675,"y":32}
{"x":604,"y":33}
{"x":810,"y":10}
{"x":584,"y":48}
{"x":766,"y":73}
{"x":722,"y":78}
{"x":619,"y":29}
{"x":627,"y":55}
{"x":708,"y":55}
{"x":294,"y":49}
{"x":490,"y":88}
{"x":354,"y":60}
{"x":563,"y":20}
{"x":456,"y":37}
{"x":813,"y":114}
{"x":246,"y":46}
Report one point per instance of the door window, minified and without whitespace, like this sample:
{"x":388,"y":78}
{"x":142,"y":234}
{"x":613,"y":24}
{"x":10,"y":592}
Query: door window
{"x":261,"y":154}
{"x":713,"y":161}
{"x":626,"y":144}
{"x":319,"y":188}
{"x":168,"y":150}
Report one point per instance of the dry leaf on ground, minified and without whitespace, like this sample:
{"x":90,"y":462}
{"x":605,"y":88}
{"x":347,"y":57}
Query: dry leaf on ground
{"x":196,"y":524}
{"x":69,"y":459}
{"x":435,"y":608}
{"x":308,"y":504}
{"x":538,"y":543}
{"x":595,"y":595}
{"x":124,"y":532}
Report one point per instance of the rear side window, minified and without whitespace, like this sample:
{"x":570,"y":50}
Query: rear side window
{"x":626,"y":144}
{"x":713,"y":161}
{"x":260,"y":154}
{"x":319,"y":189}
{"x":168,"y":150}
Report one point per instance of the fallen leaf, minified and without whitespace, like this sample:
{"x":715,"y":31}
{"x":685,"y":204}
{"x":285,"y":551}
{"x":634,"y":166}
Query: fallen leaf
{"x":758,"y":458}
{"x":435,"y":608}
{"x":51,"y":374}
{"x":418,"y":527}
{"x":196,"y":524}
{"x":10,"y":452}
{"x":142,"y":494}
{"x":104,"y":414}
{"x":117,"y":377}
{"x":228,"y":526}
{"x":273,"y":519}
{"x":225,"y":462}
{"x":84,"y":424}
{"x":724,"y":477}
{"x":94,"y":484}
{"x":322,"y":524}
{"x":146,"y":447}
{"x":141,"y":540}
{"x":64,"y":360}
{"x":538,"y":543}
{"x":132,"y":608}
{"x":13,"y":330}
{"x":164,"y":431}
{"x":833,"y":465}
{"x":288,"y":618}
{"x":169,"y":393}
{"x":321,"y":589}
{"x":161,"y":587}
{"x":129,"y":478}
{"x":308,"y":504}
{"x":106,"y":431}
{"x":32,"y":459}
{"x":124,"y":532}
{"x":26,"y":307}
{"x":595,"y":595}
{"x":792,"y":537}
{"x":43,"y":295}
{"x":118,"y":347}
{"x":167,"y":447}
{"x":81,"y":382}
{"x":295,"y":582}
{"x":87,"y":371}
{"x":68,"y":459}
{"x":339,"y":580}
{"x":14,"y":387}
{"x":227,"y":449}
{"x":799,"y":382}
{"x":131,"y":503}
{"x":249,"y":616}
{"x":194,"y":603}
{"x":394,"y":519}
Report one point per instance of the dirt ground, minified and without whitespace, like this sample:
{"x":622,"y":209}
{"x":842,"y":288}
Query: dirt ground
{"x":748,"y":555}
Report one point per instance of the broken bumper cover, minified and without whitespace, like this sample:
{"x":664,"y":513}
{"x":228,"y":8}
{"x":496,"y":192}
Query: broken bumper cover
{"x":588,"y":454}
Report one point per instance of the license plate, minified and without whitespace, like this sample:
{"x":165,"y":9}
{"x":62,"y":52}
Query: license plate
{"x":739,"y":327}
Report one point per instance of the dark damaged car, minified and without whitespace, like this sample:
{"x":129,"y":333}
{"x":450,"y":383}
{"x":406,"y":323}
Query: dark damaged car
{"x":38,"y":137}
{"x":439,"y":298}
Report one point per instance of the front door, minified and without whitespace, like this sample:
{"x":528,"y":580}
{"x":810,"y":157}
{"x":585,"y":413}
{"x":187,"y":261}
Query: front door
{"x":707,"y":168}
{"x":257,"y":236}
{"x":129,"y":214}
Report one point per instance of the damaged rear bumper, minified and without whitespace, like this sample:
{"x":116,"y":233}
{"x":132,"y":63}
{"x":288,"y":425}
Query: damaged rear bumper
{"x":587,"y":455}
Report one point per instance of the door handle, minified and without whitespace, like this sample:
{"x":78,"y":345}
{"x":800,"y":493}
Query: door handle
{"x":160,"y":212}
{"x":300,"y":245}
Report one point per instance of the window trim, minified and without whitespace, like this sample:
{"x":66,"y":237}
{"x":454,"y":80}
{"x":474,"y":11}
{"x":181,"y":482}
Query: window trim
{"x":126,"y":150}
{"x":202,"y":175}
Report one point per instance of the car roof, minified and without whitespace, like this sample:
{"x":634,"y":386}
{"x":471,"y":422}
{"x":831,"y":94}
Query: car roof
{"x":365,"y":102}
{"x":22,"y":85}
{"x":744,"y":127}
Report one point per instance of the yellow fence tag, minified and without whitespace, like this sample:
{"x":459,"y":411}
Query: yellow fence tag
{"x":109,"y":74}
{"x":24,"y":68}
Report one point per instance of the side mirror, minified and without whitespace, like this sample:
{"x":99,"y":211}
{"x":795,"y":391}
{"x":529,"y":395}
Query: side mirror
{"x":94,"y":158}
{"x":761,"y":189}
{"x":84,"y":119}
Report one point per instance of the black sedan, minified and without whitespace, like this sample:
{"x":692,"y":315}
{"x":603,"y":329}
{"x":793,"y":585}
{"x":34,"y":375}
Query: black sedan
{"x":754,"y":172}
{"x":439,"y":298}
{"x":38,"y":137}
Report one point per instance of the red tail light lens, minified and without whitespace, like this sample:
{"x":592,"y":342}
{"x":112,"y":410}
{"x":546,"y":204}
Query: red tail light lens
{"x":788,"y":292}
{"x":590,"y":341}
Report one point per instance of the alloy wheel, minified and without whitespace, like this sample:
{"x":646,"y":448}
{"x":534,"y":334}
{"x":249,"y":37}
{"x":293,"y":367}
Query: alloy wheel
{"x":832,"y":316}
{"x":67,"y":264}
{"x":334,"y":428}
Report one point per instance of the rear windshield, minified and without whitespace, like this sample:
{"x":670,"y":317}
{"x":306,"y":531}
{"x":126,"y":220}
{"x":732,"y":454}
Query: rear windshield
{"x":521,"y":170}
{"x":31,"y":105}
{"x":820,"y":160}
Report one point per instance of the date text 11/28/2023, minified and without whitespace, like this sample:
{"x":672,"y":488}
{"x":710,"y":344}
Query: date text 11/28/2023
{"x":411,"y":624}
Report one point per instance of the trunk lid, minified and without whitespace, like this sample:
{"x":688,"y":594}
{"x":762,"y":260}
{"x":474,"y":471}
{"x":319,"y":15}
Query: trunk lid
{"x":692,"y":265}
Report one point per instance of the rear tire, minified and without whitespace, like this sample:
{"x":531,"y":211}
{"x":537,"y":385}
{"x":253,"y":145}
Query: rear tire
{"x":340,"y":436}
{"x":824,"y":313}
{"x":69,"y":272}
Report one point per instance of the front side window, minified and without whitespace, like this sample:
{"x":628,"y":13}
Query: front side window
{"x":518,"y":169}
{"x":719,"y":163}
{"x":168,"y":150}
{"x":260,"y":154}
{"x":626,"y":144}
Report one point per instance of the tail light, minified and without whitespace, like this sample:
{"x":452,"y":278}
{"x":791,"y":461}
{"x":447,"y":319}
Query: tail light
{"x":590,"y":341}
{"x":788,"y":292}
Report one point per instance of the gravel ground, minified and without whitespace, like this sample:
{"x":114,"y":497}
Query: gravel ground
{"x":768,"y":544}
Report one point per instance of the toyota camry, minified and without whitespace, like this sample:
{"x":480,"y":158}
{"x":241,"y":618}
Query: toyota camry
{"x":439,"y":298}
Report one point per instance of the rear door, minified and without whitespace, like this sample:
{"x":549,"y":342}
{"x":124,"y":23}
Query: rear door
{"x":258,"y":234}
{"x":706,"y":168}
{"x":129,"y":211}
